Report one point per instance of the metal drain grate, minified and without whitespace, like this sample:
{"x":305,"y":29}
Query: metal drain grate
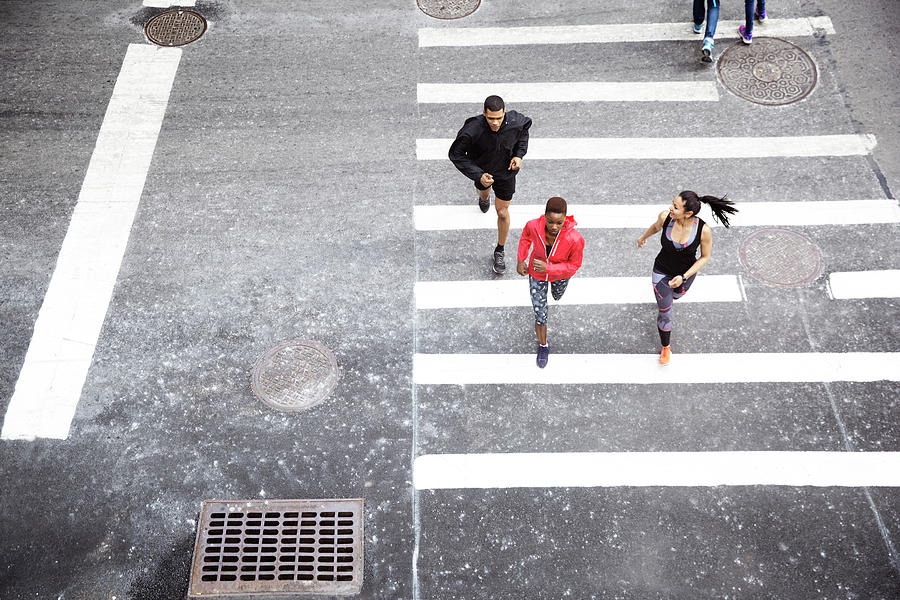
{"x":273,"y":547}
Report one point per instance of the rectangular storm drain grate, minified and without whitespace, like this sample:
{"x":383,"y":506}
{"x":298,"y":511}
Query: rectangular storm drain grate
{"x":270,"y":548}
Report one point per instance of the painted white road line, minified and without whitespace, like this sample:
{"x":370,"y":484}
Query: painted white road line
{"x":610,"y":33}
{"x":71,"y":316}
{"x":581,"y":290}
{"x":570,"y":91}
{"x":740,"y":367}
{"x":169,"y":3}
{"x":617,"y":216}
{"x":865,"y":284}
{"x":641,"y":469}
{"x":674,"y":148}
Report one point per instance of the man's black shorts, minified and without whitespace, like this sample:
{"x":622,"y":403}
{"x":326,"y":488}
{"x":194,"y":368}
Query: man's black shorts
{"x":503,"y":188}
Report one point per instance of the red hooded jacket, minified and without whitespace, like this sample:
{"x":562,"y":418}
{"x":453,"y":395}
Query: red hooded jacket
{"x":565,"y":255}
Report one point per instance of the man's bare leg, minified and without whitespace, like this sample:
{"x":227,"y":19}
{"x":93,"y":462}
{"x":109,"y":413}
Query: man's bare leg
{"x":502,"y":207}
{"x":499,"y":260}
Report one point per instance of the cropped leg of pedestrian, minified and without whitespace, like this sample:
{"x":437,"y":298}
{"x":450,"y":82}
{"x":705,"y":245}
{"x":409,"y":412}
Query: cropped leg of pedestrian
{"x":710,"y":10}
{"x":760,"y":11}
{"x":752,"y":8}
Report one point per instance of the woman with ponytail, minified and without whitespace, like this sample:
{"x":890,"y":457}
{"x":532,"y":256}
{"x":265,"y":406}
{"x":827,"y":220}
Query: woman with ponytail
{"x":676,"y":265}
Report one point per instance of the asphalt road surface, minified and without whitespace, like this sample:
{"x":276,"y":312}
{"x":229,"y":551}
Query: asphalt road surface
{"x":168,"y":215}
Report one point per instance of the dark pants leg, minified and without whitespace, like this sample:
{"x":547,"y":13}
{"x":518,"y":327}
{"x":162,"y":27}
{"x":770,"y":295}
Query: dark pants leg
{"x":748,"y":15}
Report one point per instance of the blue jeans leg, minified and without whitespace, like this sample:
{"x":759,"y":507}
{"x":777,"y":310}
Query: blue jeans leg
{"x":712,"y":18}
{"x":748,"y":15}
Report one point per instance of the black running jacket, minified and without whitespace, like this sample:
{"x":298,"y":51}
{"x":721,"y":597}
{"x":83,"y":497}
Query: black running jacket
{"x":477,"y":149}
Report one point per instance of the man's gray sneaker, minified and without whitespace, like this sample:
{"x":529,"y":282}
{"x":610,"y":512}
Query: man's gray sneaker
{"x":499,"y":265}
{"x":484,"y":203}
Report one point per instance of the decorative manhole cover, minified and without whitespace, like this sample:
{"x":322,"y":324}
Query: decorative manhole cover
{"x":448,"y":9}
{"x":274,"y":548}
{"x":175,"y":28}
{"x":294,"y":375}
{"x":769,"y":71}
{"x":781,"y":258}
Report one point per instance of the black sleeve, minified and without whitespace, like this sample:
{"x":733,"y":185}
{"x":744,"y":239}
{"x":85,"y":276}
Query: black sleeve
{"x":521,"y":146}
{"x":459,"y":156}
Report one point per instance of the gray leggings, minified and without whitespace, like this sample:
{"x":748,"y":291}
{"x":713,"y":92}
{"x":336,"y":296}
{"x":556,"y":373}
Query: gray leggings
{"x":539,"y":296}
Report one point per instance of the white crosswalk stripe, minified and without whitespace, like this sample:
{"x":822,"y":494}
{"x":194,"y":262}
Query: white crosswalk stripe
{"x":570,"y":91}
{"x":616,"y":216}
{"x":604,"y":469}
{"x":607,"y":33}
{"x":741,"y":367}
{"x":865,"y":284}
{"x":71,"y":316}
{"x":587,"y":290}
{"x":672,"y":148}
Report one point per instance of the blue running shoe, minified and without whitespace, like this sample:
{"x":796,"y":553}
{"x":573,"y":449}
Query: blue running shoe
{"x":760,"y":16}
{"x":698,"y":28}
{"x":745,"y":36}
{"x":706,"y":51}
{"x":542,"y":355}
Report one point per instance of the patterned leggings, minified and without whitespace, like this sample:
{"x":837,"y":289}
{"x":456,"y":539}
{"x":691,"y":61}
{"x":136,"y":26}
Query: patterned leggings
{"x":665,"y":297}
{"x":539,"y":296}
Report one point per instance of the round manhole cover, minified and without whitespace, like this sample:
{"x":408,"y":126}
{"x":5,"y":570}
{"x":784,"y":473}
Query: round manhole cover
{"x":769,"y":71}
{"x":294,"y":375}
{"x":448,"y":9}
{"x":781,"y":258}
{"x":175,"y":28}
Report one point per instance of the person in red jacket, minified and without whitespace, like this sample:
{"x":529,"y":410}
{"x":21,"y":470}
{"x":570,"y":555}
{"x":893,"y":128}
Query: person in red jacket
{"x":556,"y":255}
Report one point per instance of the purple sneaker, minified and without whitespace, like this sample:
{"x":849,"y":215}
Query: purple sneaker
{"x":746,"y":36}
{"x":542,"y":355}
{"x":760,"y":16}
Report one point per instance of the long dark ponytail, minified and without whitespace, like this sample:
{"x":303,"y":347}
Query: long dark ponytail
{"x":721,"y":207}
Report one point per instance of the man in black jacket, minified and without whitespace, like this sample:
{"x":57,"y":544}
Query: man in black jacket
{"x":489,"y":150}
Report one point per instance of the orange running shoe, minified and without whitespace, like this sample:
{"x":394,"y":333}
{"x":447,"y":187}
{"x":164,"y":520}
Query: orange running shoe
{"x":665,"y":355}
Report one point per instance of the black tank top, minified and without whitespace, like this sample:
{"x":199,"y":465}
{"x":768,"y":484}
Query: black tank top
{"x":675,"y":261}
